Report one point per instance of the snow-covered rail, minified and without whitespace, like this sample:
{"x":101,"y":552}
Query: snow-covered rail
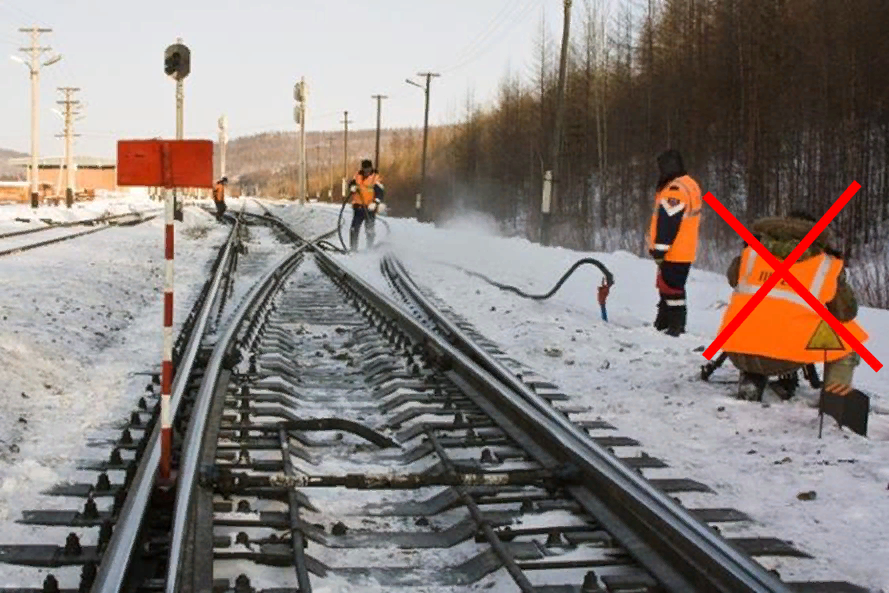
{"x":24,"y":240}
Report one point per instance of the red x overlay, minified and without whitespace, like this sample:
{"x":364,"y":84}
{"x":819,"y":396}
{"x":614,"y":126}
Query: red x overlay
{"x":782,"y":270}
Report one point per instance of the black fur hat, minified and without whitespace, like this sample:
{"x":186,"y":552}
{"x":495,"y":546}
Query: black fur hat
{"x":670,"y":166}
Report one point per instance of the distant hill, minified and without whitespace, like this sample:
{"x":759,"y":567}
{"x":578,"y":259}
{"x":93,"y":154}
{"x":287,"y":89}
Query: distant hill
{"x":266,"y":162}
{"x":7,"y":170}
{"x":272,"y":151}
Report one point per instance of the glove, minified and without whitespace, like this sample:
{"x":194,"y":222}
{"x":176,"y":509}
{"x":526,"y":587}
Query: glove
{"x":381,"y":208}
{"x":658,"y":256}
{"x":372,"y":207}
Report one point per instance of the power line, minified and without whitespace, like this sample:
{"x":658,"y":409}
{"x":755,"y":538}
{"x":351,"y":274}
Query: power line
{"x":491,"y":27}
{"x":519,"y":17}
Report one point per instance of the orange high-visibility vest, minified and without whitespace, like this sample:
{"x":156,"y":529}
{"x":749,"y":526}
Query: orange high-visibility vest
{"x":218,"y":193}
{"x":783,"y":323}
{"x":365,"y":194}
{"x":683,"y":193}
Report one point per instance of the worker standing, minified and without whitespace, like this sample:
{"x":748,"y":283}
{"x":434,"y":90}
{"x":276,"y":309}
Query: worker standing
{"x":219,"y":197}
{"x":367,"y":192}
{"x":673,"y":239}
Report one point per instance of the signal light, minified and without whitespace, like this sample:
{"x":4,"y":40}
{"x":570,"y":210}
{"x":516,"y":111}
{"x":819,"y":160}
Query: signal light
{"x":177,"y":61}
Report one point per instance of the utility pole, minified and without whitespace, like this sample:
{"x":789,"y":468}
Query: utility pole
{"x":419,"y":204}
{"x":300,"y":92}
{"x":346,"y":123}
{"x":71,"y":109}
{"x":34,"y":51}
{"x":223,"y":141}
{"x":551,"y":178}
{"x":379,"y":99}
{"x":330,"y":166}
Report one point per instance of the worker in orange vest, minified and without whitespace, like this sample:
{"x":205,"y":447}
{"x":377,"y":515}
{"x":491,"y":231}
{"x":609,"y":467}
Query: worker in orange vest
{"x":773,"y":340}
{"x":367,"y":192}
{"x":219,"y":197}
{"x":673,"y":239}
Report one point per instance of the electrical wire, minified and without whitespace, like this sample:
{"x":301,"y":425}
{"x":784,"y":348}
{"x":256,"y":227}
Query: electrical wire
{"x":519,"y":17}
{"x":474,"y":43}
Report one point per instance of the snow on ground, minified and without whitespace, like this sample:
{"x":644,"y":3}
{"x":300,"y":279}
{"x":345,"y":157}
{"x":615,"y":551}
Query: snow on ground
{"x":758,"y":457}
{"x":19,"y":217}
{"x":77,"y":321}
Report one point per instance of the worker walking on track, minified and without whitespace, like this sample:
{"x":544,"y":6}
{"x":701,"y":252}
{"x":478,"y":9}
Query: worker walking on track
{"x":775,"y":339}
{"x":219,"y":197}
{"x":673,"y":239}
{"x":367,"y":192}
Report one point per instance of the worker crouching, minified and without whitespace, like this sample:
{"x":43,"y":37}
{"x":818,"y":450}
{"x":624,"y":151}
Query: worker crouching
{"x":367,"y":192}
{"x":775,"y":339}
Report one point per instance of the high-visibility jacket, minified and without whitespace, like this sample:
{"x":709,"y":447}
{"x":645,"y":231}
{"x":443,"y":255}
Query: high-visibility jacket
{"x":781,"y":326}
{"x":218,"y":192}
{"x":676,"y":220}
{"x":365,"y":189}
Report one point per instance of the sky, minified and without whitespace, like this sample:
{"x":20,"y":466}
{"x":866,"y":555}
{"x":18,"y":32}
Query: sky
{"x":246,"y":57}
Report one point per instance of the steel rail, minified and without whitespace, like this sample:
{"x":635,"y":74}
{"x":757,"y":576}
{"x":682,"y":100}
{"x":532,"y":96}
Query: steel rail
{"x":116,"y":558}
{"x":188,"y":469}
{"x":29,"y":246}
{"x":676,"y":548}
{"x":708,"y":561}
{"x":62,"y":225}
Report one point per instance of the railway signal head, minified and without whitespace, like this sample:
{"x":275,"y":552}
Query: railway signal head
{"x":300,"y":91}
{"x":177,"y":61}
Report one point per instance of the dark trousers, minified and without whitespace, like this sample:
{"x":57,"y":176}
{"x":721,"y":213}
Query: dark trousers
{"x":220,"y":209}
{"x":671,"y":308}
{"x":360,"y":214}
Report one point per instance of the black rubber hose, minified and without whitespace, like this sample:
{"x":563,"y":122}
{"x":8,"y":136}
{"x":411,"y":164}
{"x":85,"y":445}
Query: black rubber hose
{"x":339,"y":225}
{"x":609,"y":278}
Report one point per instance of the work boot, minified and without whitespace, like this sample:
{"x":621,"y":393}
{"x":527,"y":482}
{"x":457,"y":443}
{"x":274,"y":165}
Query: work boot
{"x":676,"y":321}
{"x":660,"y":322}
{"x":785,"y":386}
{"x":353,"y":239}
{"x":751,"y":387}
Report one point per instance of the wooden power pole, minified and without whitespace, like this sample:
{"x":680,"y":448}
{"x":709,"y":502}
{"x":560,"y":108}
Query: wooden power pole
{"x":551,"y":193}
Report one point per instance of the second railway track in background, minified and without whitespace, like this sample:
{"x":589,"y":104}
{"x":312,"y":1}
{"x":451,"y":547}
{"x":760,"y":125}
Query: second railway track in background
{"x":24,"y":240}
{"x":334,"y":436}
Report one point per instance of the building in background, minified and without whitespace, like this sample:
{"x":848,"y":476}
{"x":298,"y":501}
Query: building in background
{"x":14,"y":191}
{"x":91,"y":175}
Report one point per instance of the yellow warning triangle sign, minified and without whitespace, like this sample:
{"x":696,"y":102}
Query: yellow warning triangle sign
{"x":824,"y":338}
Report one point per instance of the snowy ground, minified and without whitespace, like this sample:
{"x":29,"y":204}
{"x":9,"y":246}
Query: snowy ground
{"x":19,"y":217}
{"x":758,"y":457}
{"x":77,"y":319}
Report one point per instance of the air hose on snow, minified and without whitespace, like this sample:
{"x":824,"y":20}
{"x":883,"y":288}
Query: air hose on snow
{"x":602,"y":291}
{"x":339,"y":225}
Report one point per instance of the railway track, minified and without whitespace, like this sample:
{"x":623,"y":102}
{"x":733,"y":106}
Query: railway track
{"x":27,"y":239}
{"x":338,"y":438}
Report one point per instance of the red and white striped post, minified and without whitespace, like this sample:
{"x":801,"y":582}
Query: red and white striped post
{"x":167,"y":363}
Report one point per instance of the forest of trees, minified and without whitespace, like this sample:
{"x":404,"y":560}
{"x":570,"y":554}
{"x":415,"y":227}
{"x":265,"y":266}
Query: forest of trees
{"x":774,"y":104}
